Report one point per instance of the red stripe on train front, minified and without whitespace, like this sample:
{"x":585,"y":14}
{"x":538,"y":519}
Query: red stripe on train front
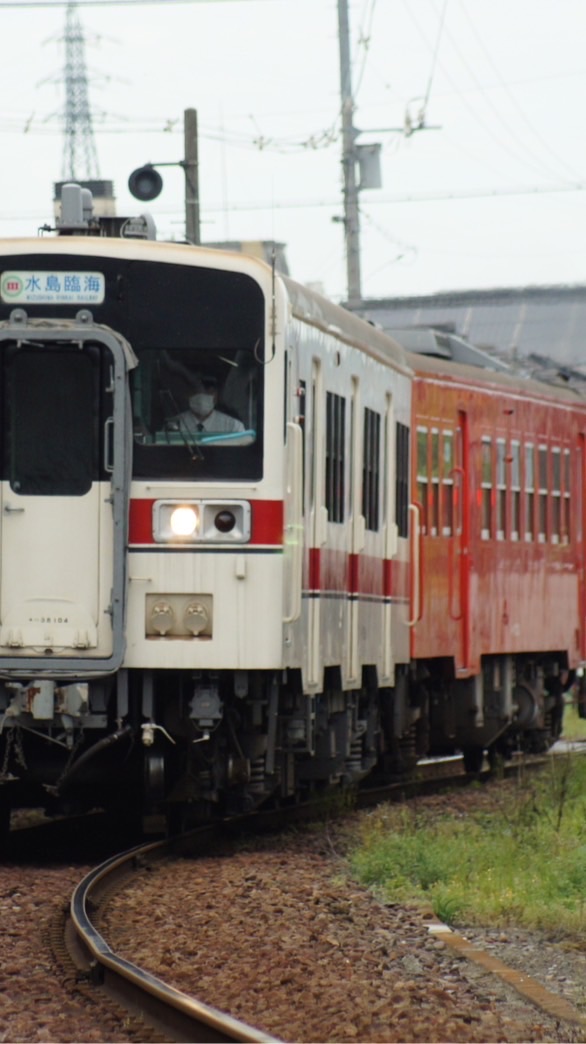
{"x":266,"y":522}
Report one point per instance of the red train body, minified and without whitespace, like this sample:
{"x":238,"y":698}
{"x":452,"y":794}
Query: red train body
{"x":498,"y":577}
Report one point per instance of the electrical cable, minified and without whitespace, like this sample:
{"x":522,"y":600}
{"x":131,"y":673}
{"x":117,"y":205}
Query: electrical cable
{"x":364,"y":42}
{"x":520,"y":150}
{"x":434,"y":60}
{"x":506,"y":87}
{"x":80,"y":4}
{"x":515,"y":154}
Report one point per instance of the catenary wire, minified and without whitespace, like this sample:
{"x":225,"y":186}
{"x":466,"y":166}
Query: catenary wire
{"x":515,"y":153}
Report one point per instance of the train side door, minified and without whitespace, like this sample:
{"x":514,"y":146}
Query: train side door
{"x":318,"y":528}
{"x":63,"y":498}
{"x":459,"y":589}
{"x":294,"y":491}
{"x":356,"y":538}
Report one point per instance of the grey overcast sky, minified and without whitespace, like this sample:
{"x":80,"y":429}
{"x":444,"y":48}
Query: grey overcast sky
{"x":493,"y":197}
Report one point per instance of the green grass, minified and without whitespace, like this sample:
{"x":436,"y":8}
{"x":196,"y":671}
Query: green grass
{"x":574,"y":726}
{"x":522,"y":864}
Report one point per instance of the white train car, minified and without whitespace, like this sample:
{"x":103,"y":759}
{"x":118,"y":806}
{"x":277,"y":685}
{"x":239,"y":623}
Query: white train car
{"x":204,"y":547}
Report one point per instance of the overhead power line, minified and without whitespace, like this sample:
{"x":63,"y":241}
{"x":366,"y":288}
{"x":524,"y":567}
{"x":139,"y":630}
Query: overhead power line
{"x":111,"y":3}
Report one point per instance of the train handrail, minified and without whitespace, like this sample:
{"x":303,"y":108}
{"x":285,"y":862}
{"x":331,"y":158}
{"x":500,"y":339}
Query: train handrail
{"x":457,"y":534}
{"x":415,"y":512}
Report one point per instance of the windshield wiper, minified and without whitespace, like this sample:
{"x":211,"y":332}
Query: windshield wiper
{"x":173,"y":424}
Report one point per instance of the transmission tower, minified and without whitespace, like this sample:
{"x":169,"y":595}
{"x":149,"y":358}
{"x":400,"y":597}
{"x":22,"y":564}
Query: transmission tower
{"x":80,"y":158}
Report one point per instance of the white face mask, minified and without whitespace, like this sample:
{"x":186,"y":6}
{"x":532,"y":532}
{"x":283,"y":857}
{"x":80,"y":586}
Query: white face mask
{"x":202,"y":405}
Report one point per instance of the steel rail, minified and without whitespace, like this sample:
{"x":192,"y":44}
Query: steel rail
{"x":183,"y":1017}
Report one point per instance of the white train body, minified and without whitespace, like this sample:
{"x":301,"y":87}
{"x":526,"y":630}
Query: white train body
{"x":208,"y":650}
{"x":212,"y":576}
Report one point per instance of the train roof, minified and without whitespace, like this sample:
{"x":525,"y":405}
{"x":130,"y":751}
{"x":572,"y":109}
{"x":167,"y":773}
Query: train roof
{"x":515,"y":383}
{"x":332,"y":318}
{"x":129,"y":248}
{"x":305,"y":304}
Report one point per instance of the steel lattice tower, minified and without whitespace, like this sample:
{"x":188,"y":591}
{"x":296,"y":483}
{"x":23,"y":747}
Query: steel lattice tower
{"x":80,"y":158}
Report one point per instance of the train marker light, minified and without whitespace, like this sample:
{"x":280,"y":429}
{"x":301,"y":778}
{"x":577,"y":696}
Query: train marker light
{"x":162,"y":618}
{"x":225,"y":521}
{"x":195,"y":618}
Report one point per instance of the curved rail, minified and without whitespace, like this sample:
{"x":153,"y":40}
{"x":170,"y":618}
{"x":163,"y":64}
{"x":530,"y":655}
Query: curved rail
{"x":183,"y":1017}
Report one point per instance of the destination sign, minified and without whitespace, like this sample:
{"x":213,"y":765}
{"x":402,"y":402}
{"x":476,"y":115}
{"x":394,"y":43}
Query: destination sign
{"x":52,"y":287}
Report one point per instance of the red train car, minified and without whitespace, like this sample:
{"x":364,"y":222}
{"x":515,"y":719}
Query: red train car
{"x":498,"y":587}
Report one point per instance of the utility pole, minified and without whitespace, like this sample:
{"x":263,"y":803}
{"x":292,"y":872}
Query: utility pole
{"x":191,"y":167}
{"x":349,"y":158}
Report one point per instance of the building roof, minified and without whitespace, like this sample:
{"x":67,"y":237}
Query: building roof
{"x":547,"y":321}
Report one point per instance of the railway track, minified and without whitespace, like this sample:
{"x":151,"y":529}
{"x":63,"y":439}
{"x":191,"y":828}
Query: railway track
{"x":175,"y":1014}
{"x":178,"y":1016}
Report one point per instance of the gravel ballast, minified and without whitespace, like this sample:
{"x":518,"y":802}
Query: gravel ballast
{"x":281,"y":938}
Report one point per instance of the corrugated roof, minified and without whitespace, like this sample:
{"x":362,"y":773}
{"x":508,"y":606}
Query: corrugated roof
{"x":512,"y":322}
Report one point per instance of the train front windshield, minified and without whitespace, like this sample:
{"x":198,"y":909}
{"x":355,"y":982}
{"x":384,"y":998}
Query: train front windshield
{"x":197,"y":392}
{"x":198,"y":335}
{"x":197,"y":413}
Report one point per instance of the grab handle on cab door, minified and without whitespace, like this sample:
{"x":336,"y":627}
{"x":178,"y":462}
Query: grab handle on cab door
{"x":415,"y":545}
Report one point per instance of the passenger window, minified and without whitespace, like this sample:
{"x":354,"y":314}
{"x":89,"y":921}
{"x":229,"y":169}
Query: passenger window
{"x":435,"y":481}
{"x":529,"y":492}
{"x":422,"y":475}
{"x":335,"y":455}
{"x":486,"y":488}
{"x":51,"y":417}
{"x":543,"y":494}
{"x":556,"y":495}
{"x":447,"y":483}
{"x":402,"y":479}
{"x":515,"y":490}
{"x":501,"y":490}
{"x":371,"y":469}
{"x":566,"y":513}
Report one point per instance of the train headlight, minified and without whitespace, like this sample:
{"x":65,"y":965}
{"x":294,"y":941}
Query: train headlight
{"x":202,"y":521}
{"x":176,"y":521}
{"x":184,"y":521}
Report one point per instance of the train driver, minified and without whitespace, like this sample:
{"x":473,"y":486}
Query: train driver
{"x":202,"y":414}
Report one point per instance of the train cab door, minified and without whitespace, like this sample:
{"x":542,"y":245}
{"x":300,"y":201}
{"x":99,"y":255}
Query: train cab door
{"x":459,"y":544}
{"x":63,"y":495}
